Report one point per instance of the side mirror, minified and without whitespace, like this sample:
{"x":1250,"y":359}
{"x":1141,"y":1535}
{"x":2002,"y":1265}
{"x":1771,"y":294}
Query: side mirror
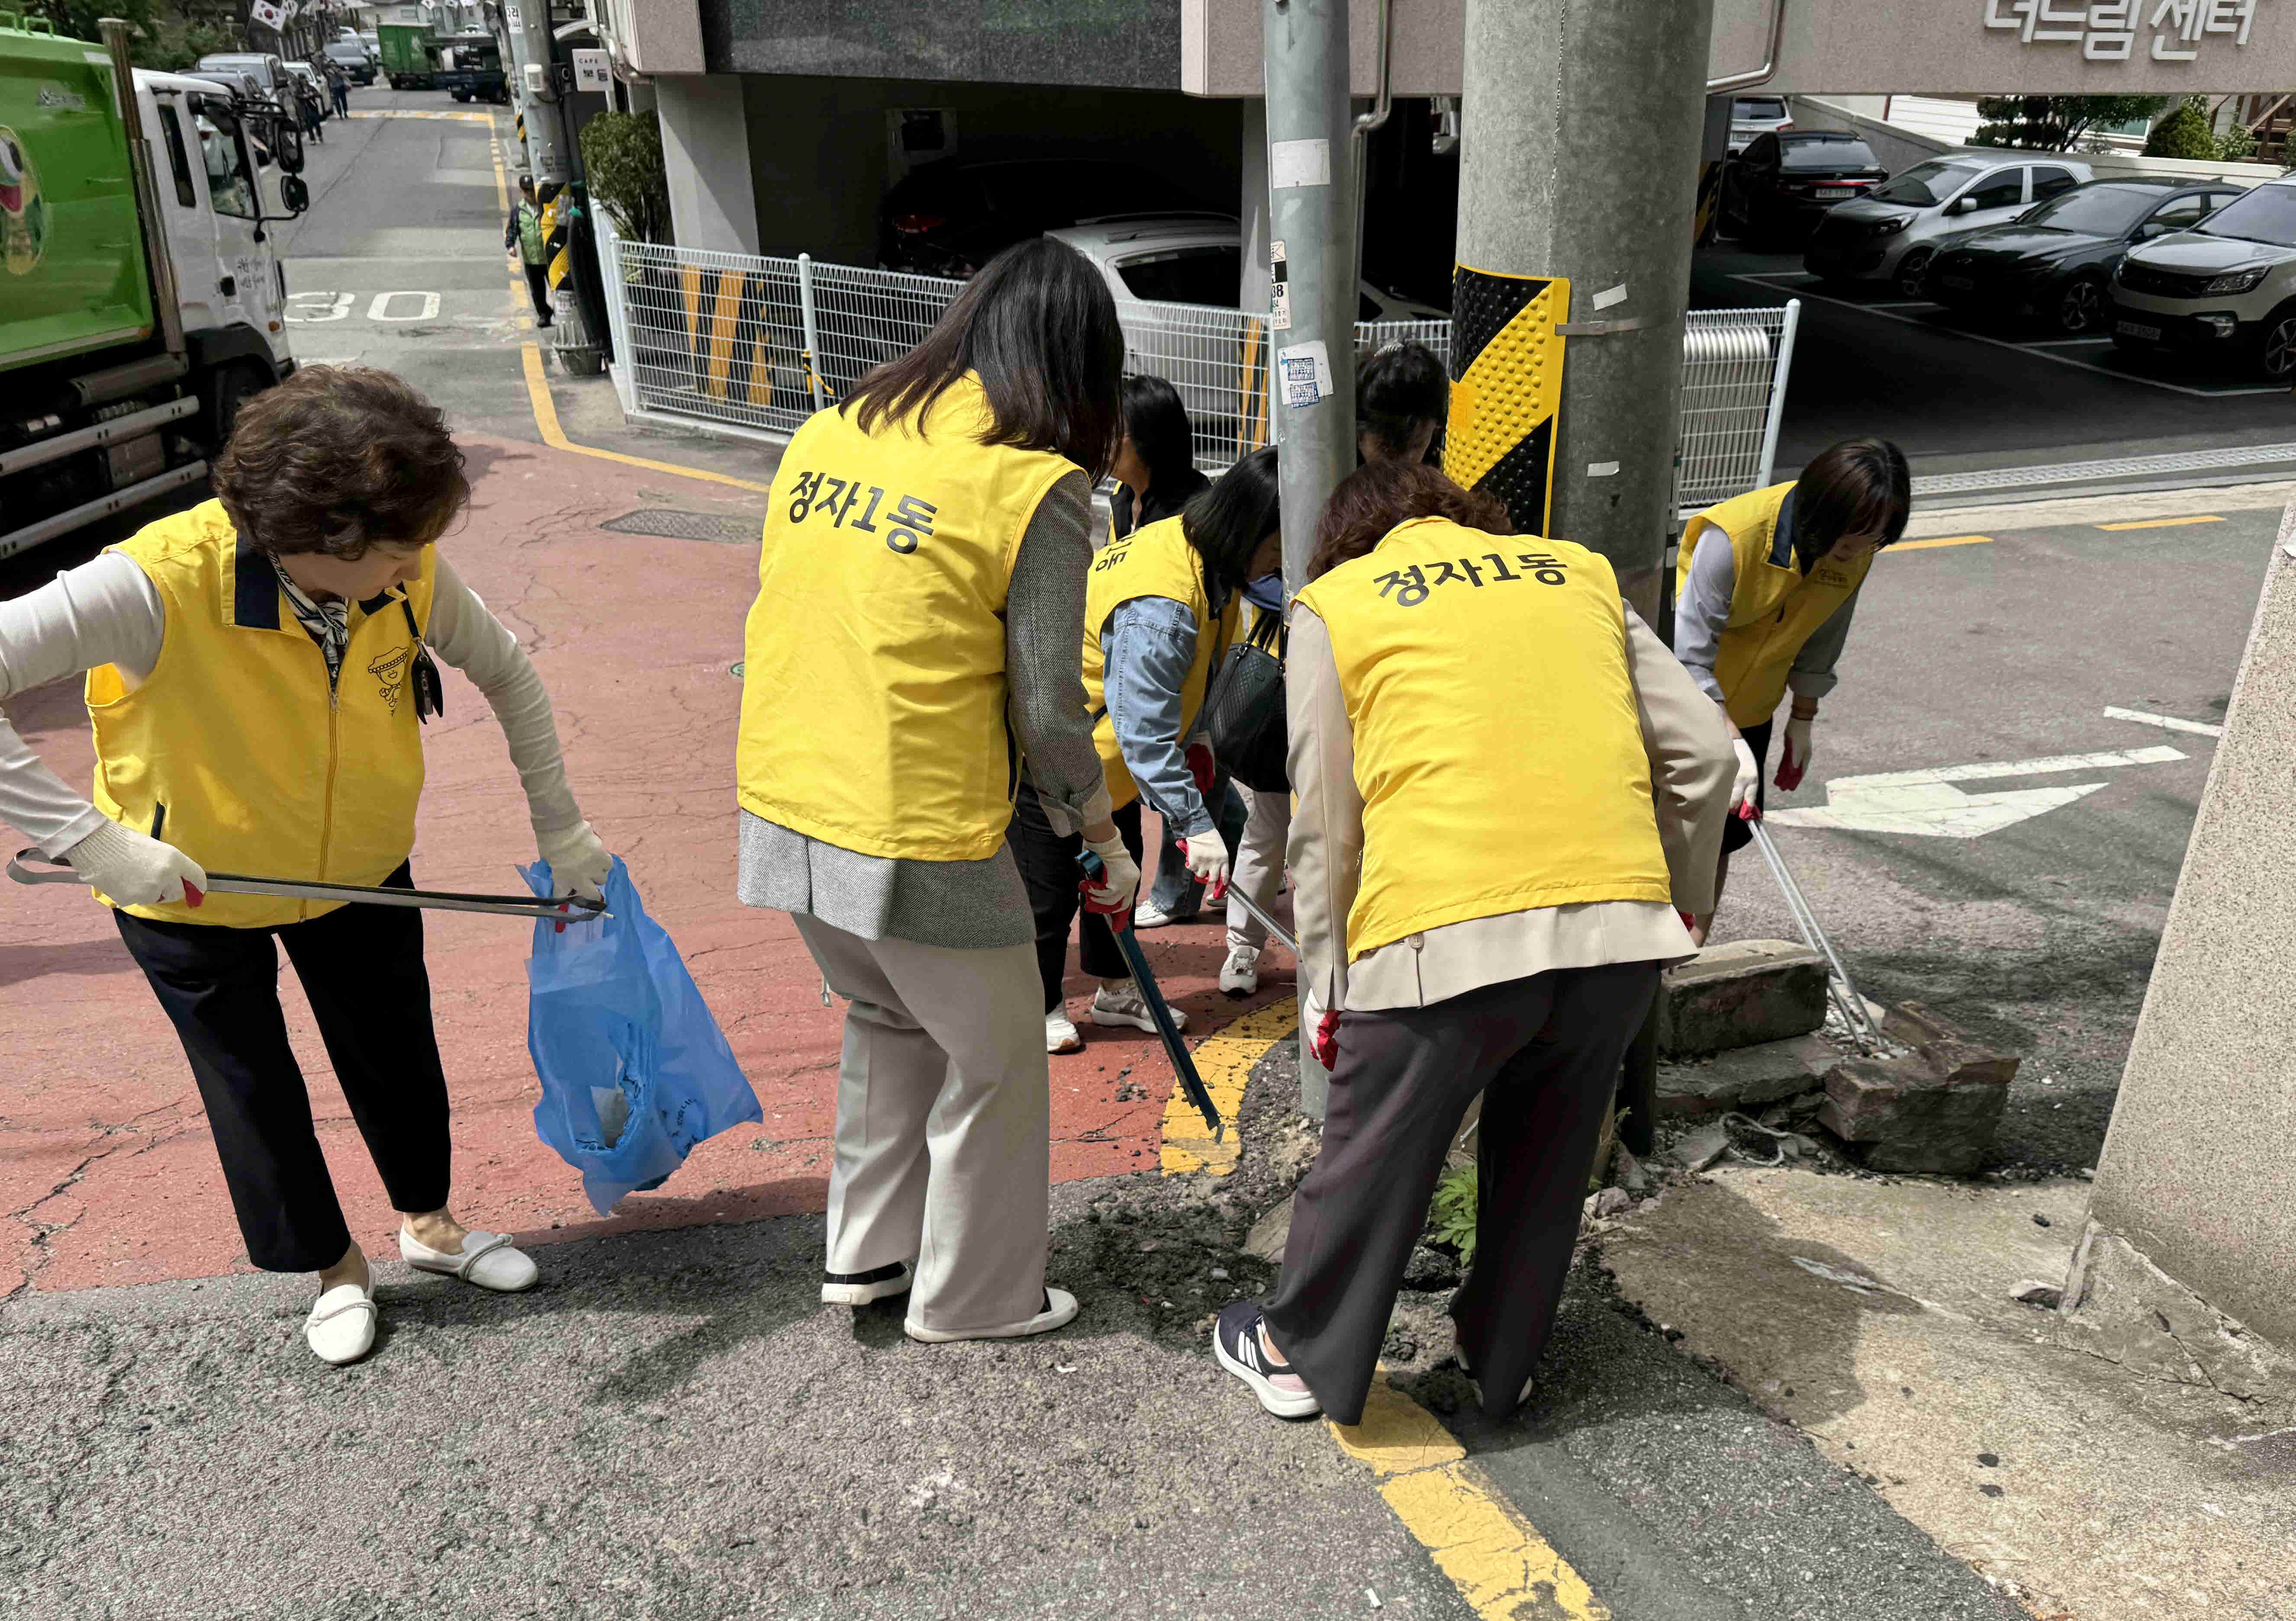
{"x":1961,"y":205}
{"x":294,"y":193}
{"x":287,"y":143}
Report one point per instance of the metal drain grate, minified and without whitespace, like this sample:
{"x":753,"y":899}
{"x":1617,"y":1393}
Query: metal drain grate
{"x":671,"y":524}
{"x":2121,"y":467}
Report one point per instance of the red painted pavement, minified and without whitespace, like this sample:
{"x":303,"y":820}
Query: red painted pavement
{"x":106,"y":1165}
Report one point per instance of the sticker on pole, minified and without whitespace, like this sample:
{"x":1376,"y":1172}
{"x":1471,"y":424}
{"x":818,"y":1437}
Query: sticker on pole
{"x":1296,"y":163}
{"x":1506,"y":382}
{"x":1305,"y":371}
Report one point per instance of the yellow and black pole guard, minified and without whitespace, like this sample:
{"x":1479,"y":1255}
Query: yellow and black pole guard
{"x":1506,"y":382}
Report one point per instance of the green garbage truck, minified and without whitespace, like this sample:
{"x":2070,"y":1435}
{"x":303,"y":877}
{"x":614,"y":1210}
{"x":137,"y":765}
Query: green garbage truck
{"x":410,"y":60}
{"x":141,"y":298}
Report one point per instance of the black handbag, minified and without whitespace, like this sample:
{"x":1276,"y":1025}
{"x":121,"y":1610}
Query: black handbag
{"x":1244,"y":716}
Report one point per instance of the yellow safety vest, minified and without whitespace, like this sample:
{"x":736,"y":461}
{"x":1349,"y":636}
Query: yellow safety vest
{"x":235,"y":750}
{"x":1155,"y":560}
{"x":873,"y":698}
{"x":1774,"y":607}
{"x":1498,"y":745}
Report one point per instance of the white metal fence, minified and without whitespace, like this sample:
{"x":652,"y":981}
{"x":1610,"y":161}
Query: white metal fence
{"x":760,"y":344}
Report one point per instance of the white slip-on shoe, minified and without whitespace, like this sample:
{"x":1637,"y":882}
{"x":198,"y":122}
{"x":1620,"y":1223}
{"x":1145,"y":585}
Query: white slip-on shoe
{"x":1240,"y":974}
{"x":860,"y":1288}
{"x":1148,"y":915}
{"x":341,"y":1327}
{"x":487,"y":1260}
{"x":1060,"y":1311}
{"x":1125,"y":1007}
{"x":1061,"y":1032}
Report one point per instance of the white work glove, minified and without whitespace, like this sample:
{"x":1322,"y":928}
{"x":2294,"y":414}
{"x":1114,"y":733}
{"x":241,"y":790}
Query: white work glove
{"x":1795,"y":759}
{"x":1319,"y":1029}
{"x":1119,"y":880}
{"x":1208,"y":860}
{"x":579,"y":861}
{"x":135,"y":870}
{"x":1749,"y":777}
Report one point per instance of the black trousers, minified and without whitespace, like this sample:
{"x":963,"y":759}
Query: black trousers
{"x":1544,"y":1053}
{"x":1737,"y":835}
{"x":1048,"y":866}
{"x":537,"y":288}
{"x":362,"y":968}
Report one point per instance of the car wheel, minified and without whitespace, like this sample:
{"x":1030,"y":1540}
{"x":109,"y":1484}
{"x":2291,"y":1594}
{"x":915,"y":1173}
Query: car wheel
{"x":2275,"y":347}
{"x":1913,"y":275}
{"x":2080,"y":306}
{"x":232,"y":388}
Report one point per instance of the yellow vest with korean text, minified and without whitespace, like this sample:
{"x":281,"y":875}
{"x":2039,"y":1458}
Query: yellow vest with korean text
{"x":1155,"y":560}
{"x":1774,"y":607}
{"x":873,"y":694}
{"x":1498,"y":745}
{"x":238,"y":750}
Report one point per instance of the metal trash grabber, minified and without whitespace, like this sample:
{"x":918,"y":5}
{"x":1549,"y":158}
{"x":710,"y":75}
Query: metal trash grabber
{"x":1845,"y":994}
{"x":560,"y":909}
{"x":1262,"y":918}
{"x":1184,"y":1065}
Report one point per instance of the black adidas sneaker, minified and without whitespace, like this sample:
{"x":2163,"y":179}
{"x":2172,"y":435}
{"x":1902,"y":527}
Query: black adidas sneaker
{"x":1238,"y":1347}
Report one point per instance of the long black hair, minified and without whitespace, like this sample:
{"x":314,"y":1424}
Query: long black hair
{"x":1227,"y":522}
{"x":1401,"y":387}
{"x":1038,"y":326}
{"x":1857,"y":487}
{"x":1156,"y":422}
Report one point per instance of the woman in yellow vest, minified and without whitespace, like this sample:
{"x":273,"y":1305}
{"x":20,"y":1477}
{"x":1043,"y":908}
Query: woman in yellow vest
{"x":1161,"y":607}
{"x":914,"y":636}
{"x":1507,"y":788}
{"x":1766,"y":586}
{"x":259,"y":669}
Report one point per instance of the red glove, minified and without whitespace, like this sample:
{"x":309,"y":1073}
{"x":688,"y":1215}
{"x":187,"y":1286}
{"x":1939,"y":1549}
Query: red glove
{"x":1203,"y":768}
{"x":1794,"y":755}
{"x":1326,"y":1042}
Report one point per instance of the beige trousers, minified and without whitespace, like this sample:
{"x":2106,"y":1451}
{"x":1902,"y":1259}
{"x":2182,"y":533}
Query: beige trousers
{"x":943,"y":1124}
{"x":1258,"y":865}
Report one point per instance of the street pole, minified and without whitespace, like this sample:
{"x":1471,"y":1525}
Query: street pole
{"x":549,"y":146}
{"x":1580,"y":160}
{"x":1311,"y":221}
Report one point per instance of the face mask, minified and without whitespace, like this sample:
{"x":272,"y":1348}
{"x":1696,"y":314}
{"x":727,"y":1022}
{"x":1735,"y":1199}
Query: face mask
{"x":1266,"y":592}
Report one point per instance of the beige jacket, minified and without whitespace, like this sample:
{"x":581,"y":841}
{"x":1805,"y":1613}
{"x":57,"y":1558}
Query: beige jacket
{"x":1692,"y":771}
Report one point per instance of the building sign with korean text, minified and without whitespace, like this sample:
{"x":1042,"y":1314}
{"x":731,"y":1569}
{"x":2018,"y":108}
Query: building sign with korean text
{"x":2122,"y":30}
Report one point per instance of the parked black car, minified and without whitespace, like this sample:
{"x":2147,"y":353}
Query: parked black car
{"x":951,"y":217}
{"x":2052,"y":263}
{"x":1776,"y":192}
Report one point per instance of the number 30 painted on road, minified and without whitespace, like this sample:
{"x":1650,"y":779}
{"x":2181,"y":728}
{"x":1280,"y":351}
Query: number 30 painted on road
{"x":309,"y":309}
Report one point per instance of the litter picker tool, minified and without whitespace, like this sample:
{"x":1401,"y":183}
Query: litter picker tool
{"x":1263,"y":919}
{"x":30,"y":867}
{"x":1183,"y":1066}
{"x":1854,"y":1015}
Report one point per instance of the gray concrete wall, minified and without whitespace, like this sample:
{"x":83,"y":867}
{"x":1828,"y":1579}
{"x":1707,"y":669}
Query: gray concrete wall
{"x":1118,"y":44}
{"x":819,"y":152}
{"x":2197,"y":1169}
{"x":705,"y":147}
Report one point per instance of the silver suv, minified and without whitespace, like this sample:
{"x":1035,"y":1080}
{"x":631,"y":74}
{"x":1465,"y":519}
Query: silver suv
{"x":2226,"y":287}
{"x":1892,"y":233}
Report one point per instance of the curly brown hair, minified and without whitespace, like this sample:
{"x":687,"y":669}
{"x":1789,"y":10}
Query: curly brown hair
{"x":1376,"y":496}
{"x":338,"y":458}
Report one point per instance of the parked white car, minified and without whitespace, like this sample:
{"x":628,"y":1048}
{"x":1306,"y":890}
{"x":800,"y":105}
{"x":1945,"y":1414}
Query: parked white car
{"x":1752,"y":116}
{"x":2225,"y":287}
{"x":1892,"y":234}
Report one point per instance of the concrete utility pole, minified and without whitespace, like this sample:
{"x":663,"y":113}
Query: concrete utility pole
{"x":1581,"y":148}
{"x":1311,"y":220}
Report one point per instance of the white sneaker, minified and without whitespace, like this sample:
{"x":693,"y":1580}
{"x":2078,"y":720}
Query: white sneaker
{"x":1059,"y":1309}
{"x":1125,"y":1005}
{"x":1240,"y":974}
{"x":485,"y":1259}
{"x":1060,"y":1032}
{"x":341,"y":1327}
{"x":1148,"y":915}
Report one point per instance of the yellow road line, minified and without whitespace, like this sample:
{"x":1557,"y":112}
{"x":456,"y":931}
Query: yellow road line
{"x":1496,"y":1558}
{"x":518,"y":295}
{"x":1500,"y":1565}
{"x":1922,"y":545}
{"x":1225,"y":1060}
{"x":545,"y":422}
{"x":2162,"y":522}
{"x":460,"y":118}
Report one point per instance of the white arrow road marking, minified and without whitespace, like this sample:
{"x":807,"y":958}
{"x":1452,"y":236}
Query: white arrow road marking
{"x":2199,"y":729}
{"x":1926,"y":802}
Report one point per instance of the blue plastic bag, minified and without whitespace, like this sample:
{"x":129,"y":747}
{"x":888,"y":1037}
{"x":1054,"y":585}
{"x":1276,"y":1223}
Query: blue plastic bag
{"x":634,"y":1071}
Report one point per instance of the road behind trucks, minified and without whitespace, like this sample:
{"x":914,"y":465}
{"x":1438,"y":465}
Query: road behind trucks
{"x":142,"y":300}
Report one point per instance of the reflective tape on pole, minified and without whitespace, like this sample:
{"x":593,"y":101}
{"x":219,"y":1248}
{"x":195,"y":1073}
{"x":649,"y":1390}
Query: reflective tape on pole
{"x":1506,"y":383}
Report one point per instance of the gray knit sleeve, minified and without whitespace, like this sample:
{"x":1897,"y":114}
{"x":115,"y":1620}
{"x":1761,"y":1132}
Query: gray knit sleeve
{"x":1043,"y":654}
